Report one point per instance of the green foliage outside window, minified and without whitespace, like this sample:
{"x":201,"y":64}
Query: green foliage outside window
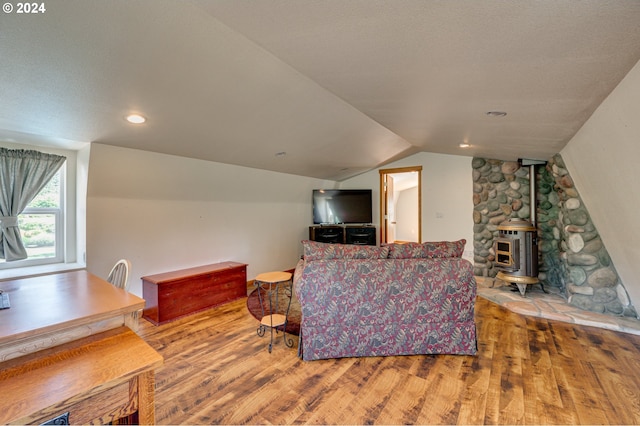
{"x":49,"y":197}
{"x":38,"y":230}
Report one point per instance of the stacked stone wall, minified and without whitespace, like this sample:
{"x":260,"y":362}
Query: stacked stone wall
{"x":573,"y":260}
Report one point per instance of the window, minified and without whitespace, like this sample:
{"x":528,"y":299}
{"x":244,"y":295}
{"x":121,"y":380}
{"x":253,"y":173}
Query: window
{"x":42,"y":222}
{"x":53,"y":226}
{"x":42,"y":225}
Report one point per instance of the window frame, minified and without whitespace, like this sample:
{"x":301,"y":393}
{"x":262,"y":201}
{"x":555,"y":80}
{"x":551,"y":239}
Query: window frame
{"x":60,"y":222}
{"x":71,"y":253}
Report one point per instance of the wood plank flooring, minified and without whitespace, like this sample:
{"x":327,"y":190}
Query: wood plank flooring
{"x":527,"y":371}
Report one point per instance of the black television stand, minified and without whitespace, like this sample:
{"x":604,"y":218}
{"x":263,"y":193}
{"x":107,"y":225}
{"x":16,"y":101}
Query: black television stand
{"x":344,"y":234}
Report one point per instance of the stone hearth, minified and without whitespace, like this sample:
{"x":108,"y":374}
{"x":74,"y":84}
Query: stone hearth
{"x":550,"y":306}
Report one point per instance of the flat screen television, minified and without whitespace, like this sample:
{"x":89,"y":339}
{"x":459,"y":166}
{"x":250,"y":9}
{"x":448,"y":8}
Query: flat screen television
{"x":333,"y":206}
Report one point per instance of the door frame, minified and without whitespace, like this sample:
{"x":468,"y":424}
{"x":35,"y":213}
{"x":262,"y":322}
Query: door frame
{"x":383,"y":199}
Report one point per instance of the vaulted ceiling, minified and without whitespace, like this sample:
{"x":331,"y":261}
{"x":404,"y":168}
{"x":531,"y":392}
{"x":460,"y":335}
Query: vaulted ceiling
{"x":325,"y":89}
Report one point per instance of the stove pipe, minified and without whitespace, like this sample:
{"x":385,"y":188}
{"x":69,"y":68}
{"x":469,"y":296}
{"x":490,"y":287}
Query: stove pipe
{"x":532,"y":195}
{"x":516,"y":249}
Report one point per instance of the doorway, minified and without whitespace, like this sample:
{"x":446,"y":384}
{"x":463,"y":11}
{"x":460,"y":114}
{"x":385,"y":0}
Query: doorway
{"x":401,"y":205}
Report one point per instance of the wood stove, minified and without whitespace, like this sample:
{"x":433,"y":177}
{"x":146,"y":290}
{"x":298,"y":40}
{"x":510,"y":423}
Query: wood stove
{"x":516,"y":247}
{"x":516,"y":251}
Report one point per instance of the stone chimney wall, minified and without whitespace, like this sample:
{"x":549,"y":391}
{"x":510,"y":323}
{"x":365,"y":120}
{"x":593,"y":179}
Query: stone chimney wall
{"x":573,"y":259}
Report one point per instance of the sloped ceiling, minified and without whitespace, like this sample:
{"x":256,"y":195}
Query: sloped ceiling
{"x":340,"y":86}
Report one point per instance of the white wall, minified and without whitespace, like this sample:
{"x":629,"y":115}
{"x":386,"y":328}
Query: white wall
{"x":603,"y":160}
{"x":165,"y":213}
{"x":447,"y":196}
{"x":407,"y":215}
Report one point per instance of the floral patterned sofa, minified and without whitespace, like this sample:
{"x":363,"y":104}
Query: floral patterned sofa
{"x":397,"y":299}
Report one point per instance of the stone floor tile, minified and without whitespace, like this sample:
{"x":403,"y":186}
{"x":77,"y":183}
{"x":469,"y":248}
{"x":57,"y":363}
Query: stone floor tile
{"x":550,"y":306}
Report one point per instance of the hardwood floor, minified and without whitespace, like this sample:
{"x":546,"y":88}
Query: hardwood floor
{"x":527,"y":371}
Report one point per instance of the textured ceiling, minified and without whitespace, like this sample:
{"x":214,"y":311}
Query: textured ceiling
{"x":341,"y":86}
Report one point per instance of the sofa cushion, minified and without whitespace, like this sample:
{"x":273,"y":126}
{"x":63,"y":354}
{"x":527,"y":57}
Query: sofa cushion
{"x":405,"y":251}
{"x":445,"y":248}
{"x":430,"y":250}
{"x":317,"y":251}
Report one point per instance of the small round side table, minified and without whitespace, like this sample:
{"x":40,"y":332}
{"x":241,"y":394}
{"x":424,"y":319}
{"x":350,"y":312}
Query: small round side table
{"x":272,"y":284}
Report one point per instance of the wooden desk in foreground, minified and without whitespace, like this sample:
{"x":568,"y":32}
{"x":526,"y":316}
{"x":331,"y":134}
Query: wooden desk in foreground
{"x":66,"y":345}
{"x":50,"y":310}
{"x":97,"y":379}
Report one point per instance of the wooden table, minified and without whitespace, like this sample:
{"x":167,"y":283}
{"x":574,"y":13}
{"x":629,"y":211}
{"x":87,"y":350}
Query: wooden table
{"x":66,"y":344}
{"x":50,"y":310}
{"x":270,"y":283}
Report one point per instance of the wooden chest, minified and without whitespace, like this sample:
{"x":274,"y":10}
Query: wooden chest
{"x":175,"y":294}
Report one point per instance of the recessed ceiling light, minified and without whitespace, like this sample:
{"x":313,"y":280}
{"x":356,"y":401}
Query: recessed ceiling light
{"x":464,"y":145}
{"x":496,"y":113}
{"x":135,"y":118}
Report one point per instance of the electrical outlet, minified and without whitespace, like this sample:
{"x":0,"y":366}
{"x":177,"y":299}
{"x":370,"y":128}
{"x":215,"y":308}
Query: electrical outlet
{"x":62,"y":419}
